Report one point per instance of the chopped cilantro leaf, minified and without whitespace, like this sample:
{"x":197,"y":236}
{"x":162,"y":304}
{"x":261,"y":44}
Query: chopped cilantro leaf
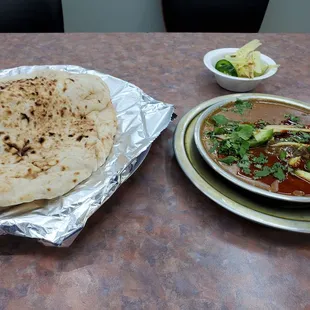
{"x":277,"y":170}
{"x":261,"y":159}
{"x":293,"y":118}
{"x":228,"y":160}
{"x":279,"y":174}
{"x":282,"y":155}
{"x":234,"y":147}
{"x":308,"y":165}
{"x":261,"y":124}
{"x":244,"y":147}
{"x":231,"y":126}
{"x":219,"y":130}
{"x":224,"y":148}
{"x":246,"y":170}
{"x":208,"y":133}
{"x":236,"y":143}
{"x":214,"y":146}
{"x":245,"y":131}
{"x":241,"y":106}
{"x":220,"y":119}
{"x":278,"y":165}
{"x":244,"y":164}
{"x":300,"y":137}
{"x":246,"y":158}
{"x":290,"y":169}
{"x":262,"y":173}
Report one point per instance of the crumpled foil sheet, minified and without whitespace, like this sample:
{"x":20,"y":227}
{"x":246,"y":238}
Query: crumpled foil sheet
{"x":57,"y":222}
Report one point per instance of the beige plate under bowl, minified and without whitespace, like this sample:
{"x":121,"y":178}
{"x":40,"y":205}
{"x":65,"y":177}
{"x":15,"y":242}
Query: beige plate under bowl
{"x":281,"y":214}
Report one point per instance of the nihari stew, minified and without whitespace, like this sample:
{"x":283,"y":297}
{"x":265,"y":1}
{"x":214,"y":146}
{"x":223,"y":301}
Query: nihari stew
{"x":264,"y":143}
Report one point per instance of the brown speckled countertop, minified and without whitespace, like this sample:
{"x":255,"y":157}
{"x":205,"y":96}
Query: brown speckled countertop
{"x":159,"y":243}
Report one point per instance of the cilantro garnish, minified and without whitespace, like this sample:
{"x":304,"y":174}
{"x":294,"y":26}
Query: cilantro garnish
{"x":262,"y":173}
{"x":282,"y":155}
{"x":261,"y":124}
{"x":219,"y":131}
{"x":214,"y":146}
{"x":244,"y":164}
{"x":233,"y":140}
{"x":293,"y":118}
{"x":277,"y":170}
{"x":299,"y":136}
{"x":261,"y":159}
{"x":241,"y":106}
{"x":229,"y":160}
{"x":245,"y":131}
{"x":234,"y":146}
{"x":236,"y":143}
{"x":279,"y":174}
{"x":244,"y":147}
{"x":220,"y":119}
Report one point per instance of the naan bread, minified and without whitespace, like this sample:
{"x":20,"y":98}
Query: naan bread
{"x":56,"y":129}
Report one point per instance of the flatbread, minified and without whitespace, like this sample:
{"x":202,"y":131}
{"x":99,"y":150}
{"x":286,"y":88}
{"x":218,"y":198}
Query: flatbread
{"x":56,"y":129}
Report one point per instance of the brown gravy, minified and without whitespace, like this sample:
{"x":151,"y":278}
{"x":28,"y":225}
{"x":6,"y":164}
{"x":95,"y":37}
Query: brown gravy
{"x":272,"y":112}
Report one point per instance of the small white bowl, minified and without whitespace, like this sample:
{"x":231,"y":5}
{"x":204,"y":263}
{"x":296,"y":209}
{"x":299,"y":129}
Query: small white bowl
{"x":232,"y":83}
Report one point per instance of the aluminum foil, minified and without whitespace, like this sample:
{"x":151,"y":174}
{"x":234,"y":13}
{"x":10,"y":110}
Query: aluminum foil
{"x":57,"y":222}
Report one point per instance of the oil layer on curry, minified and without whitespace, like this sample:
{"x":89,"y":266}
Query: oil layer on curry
{"x":264,"y":143}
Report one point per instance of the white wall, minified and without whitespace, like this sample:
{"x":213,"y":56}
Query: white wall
{"x":287,"y":16}
{"x":112,"y":15}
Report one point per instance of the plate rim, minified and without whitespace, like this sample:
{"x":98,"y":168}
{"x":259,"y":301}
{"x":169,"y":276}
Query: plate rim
{"x":200,"y":183}
{"x":230,"y":177}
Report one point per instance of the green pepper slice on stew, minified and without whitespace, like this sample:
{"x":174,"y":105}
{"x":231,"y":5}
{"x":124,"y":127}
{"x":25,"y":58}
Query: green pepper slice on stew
{"x":226,"y":67}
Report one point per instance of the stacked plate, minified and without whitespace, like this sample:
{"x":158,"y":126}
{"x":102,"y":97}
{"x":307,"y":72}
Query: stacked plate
{"x":262,"y":206}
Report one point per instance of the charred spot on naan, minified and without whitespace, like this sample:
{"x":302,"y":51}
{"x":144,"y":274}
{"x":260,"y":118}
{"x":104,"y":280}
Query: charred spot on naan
{"x":65,"y":87}
{"x":14,"y":148}
{"x":62,"y":112}
{"x":79,"y":138}
{"x":25,"y":116}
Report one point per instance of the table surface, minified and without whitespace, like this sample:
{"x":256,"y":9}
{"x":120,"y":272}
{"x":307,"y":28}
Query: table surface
{"x":159,"y":243}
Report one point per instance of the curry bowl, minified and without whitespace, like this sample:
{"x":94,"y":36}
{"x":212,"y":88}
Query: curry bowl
{"x":259,"y":142}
